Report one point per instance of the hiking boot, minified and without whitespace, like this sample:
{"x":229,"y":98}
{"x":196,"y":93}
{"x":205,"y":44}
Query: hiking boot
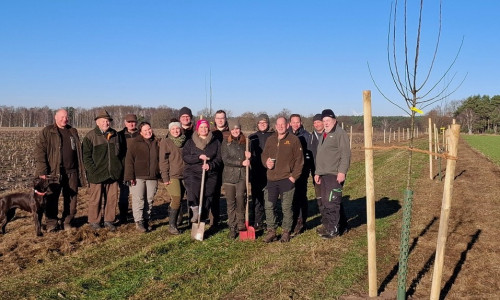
{"x":194,"y":217}
{"x":285,"y":237}
{"x":298,"y":228}
{"x":232,"y":233}
{"x":110,"y":226}
{"x":95,"y":226}
{"x":270,"y":236}
{"x":140,"y":226}
{"x":330,"y":234}
{"x":172,"y":221}
{"x":321,"y":230}
{"x":147,"y":225}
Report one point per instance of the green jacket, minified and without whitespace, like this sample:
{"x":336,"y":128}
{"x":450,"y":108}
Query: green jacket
{"x":101,"y":155}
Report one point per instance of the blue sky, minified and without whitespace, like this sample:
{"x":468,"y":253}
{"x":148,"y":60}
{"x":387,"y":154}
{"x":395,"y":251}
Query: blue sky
{"x":263,"y":55}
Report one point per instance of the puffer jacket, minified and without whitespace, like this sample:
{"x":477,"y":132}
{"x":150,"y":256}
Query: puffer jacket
{"x":48,"y":153}
{"x":233,"y":154}
{"x":101,"y":155}
{"x":141,"y":161}
{"x":171,"y":162}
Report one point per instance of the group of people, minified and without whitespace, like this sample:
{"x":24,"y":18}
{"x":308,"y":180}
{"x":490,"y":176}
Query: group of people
{"x":192,"y":159}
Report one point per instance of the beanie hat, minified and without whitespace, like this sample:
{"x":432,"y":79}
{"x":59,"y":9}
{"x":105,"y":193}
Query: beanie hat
{"x":234,"y":123}
{"x":172,"y":124}
{"x":317,"y":117}
{"x":202,"y":121}
{"x":185,"y":111}
{"x":262,"y":117}
{"x":327,"y":113}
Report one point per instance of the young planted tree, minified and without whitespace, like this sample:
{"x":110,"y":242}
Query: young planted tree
{"x":418,"y":87}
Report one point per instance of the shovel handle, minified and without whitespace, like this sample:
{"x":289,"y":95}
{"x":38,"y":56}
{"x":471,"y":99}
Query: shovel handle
{"x":202,"y":187}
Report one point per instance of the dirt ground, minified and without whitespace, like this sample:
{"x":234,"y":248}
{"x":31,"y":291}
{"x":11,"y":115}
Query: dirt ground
{"x":471,"y":265}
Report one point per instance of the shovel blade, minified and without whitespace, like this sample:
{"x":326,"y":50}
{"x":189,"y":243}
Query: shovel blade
{"x":249,"y":234}
{"x":197,"y":231}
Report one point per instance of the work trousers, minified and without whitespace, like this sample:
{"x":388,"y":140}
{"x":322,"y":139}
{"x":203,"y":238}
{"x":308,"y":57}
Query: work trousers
{"x":235,"y":198}
{"x":143,"y":193}
{"x":333,"y":215}
{"x":102,"y":201}
{"x":175,"y":191}
{"x":68,"y":184}
{"x":286,"y":189}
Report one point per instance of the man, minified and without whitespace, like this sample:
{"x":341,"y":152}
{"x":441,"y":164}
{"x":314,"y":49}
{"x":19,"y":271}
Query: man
{"x":258,"y":172}
{"x":284,"y":159}
{"x":129,"y":131}
{"x":300,"y":207}
{"x":221,"y":132}
{"x":103,"y":161}
{"x":332,"y":162}
{"x":316,"y":135}
{"x":58,"y":154}
{"x":186,"y":119}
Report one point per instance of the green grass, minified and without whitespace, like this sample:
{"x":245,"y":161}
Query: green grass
{"x":488,"y":145}
{"x":160,"y":266}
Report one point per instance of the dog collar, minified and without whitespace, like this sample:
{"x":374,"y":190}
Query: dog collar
{"x":40,"y":193}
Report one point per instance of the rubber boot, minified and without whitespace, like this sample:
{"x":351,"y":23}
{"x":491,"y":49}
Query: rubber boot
{"x":194,"y":218}
{"x":172,"y":221}
{"x":179,"y":216}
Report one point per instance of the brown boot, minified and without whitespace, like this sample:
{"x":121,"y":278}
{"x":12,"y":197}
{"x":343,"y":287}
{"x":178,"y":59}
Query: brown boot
{"x":285,"y":237}
{"x":270,"y":236}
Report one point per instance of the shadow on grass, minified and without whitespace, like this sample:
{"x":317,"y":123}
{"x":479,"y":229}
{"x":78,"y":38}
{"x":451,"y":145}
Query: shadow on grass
{"x":356,"y":210}
{"x":394,"y":270}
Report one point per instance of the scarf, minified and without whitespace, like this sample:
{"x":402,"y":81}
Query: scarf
{"x":178,"y":141}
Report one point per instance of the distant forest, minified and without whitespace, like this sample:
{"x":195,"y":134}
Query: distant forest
{"x":476,"y":114}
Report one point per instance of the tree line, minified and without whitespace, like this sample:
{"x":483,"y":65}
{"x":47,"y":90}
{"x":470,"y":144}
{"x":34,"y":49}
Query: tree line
{"x":477,"y":114}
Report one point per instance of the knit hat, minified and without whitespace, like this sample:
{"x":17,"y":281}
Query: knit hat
{"x":202,"y":121}
{"x":131,"y":118}
{"x":261,"y":117}
{"x":173,"y":124}
{"x":234,"y":123}
{"x":103,"y":114}
{"x":185,"y":111}
{"x":327,"y":113}
{"x":317,"y":117}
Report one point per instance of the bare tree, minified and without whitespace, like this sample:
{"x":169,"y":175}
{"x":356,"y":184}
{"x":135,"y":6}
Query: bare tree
{"x":468,"y":117}
{"x":417,"y":92}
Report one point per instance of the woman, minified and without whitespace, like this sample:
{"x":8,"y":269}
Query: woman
{"x":201,"y":152}
{"x":235,"y":160}
{"x":142,"y":171}
{"x":171,"y":169}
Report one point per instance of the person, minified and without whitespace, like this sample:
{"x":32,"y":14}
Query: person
{"x":316,"y":135}
{"x":201,"y":152}
{"x":284,"y":159}
{"x":258,"y":176}
{"x":103,"y":162}
{"x":300,"y":202}
{"x":128,"y":132}
{"x":235,"y":159}
{"x":332,"y":162}
{"x":186,"y":119}
{"x":142,"y":171}
{"x":58,"y":155}
{"x":171,"y":169}
{"x":221,"y":133}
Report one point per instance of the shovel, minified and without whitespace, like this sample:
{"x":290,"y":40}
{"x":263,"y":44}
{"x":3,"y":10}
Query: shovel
{"x":249,"y":234}
{"x":198,"y":229}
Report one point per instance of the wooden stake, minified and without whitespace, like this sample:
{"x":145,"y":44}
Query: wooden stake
{"x":390,"y":132}
{"x":436,"y":140}
{"x":430,"y":149}
{"x":454,"y":134}
{"x":370,"y":196}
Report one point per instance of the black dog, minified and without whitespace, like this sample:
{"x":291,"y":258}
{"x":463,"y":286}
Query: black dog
{"x":33,"y":202}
